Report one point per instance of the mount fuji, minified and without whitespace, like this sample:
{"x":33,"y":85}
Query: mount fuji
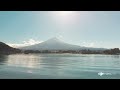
{"x":56,"y":44}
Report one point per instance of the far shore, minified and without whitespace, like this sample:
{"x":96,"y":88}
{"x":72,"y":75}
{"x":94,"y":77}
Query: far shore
{"x":56,"y":54}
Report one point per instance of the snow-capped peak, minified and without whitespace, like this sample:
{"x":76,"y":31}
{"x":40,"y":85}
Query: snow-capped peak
{"x":53,"y":44}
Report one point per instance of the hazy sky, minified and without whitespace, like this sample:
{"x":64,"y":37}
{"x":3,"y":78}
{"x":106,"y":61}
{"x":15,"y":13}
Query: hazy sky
{"x":89,"y":28}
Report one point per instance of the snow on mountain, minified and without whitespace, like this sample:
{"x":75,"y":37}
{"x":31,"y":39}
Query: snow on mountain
{"x":54,"y":44}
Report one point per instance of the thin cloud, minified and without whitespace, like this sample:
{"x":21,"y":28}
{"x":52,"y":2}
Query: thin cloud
{"x":89,"y":44}
{"x":92,"y":44}
{"x":31,"y":42}
{"x":25,"y":43}
{"x":60,"y":36}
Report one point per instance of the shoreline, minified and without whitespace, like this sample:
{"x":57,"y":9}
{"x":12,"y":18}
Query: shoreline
{"x":58,"y":53}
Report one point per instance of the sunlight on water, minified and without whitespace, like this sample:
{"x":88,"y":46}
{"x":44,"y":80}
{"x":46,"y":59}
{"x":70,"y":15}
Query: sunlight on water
{"x":30,"y":61}
{"x":71,"y":66}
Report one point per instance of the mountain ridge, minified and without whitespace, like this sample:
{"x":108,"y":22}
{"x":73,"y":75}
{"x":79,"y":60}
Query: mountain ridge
{"x":6,"y":49}
{"x":56,"y":44}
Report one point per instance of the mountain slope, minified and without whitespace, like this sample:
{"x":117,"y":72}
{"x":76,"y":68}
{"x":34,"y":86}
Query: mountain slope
{"x":5,"y":49}
{"x":55,"y":44}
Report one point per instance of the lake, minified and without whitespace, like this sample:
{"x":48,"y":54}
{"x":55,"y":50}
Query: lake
{"x":59,"y":66}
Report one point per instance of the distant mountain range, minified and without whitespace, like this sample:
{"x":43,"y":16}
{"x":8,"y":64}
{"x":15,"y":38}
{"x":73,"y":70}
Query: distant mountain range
{"x":56,"y":44}
{"x":5,"y":49}
{"x":51,"y":44}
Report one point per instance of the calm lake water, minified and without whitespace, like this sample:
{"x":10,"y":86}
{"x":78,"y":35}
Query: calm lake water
{"x":59,"y":66}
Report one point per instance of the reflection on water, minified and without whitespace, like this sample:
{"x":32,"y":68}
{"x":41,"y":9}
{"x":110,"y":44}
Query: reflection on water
{"x":116,"y":56}
{"x":3,"y":59}
{"x":30,"y":61}
{"x":58,"y":66}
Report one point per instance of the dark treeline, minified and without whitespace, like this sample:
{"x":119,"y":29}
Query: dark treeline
{"x":64,"y":51}
{"x":5,"y":49}
{"x":110,"y":51}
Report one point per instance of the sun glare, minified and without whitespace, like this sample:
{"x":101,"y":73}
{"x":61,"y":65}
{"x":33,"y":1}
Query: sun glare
{"x":64,"y":13}
{"x":64,"y":16}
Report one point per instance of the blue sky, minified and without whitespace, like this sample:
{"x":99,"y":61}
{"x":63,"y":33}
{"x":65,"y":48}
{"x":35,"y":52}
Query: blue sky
{"x":86,"y":28}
